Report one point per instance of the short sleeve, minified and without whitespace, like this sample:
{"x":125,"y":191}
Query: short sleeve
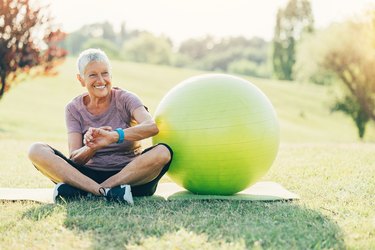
{"x":73,"y":124}
{"x":128,"y":101}
{"x":132,"y":102}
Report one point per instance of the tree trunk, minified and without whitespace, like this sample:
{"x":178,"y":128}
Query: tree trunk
{"x":2,"y":90}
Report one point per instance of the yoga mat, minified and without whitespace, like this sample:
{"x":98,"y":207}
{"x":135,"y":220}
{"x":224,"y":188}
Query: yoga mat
{"x":42,"y":195}
{"x":261,"y":191}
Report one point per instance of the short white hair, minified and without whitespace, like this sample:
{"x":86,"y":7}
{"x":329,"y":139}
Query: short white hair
{"x":91,"y":55}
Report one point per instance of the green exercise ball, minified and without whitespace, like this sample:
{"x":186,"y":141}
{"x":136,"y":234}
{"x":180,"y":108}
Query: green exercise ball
{"x":223,"y":131}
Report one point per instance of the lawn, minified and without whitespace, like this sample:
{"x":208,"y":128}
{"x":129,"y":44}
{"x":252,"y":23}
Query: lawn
{"x":320,"y":158}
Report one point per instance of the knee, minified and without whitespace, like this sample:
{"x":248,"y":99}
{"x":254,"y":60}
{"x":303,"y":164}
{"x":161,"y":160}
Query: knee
{"x":163,"y":154}
{"x":37,"y":149}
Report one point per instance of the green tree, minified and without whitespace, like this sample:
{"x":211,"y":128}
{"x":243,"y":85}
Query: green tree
{"x":77,"y":41}
{"x":310,"y":56}
{"x":344,"y":53}
{"x":107,"y":46}
{"x":221,"y":54}
{"x":148,"y":48}
{"x":350,"y":106}
{"x":29,"y":43}
{"x":246,"y":67}
{"x":122,"y":36}
{"x":291,"y":23}
{"x":197,"y":48}
{"x":74,"y":41}
{"x":108,"y":31}
{"x":352,"y":59}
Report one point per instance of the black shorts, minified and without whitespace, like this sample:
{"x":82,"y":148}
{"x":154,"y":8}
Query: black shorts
{"x":146,"y":189}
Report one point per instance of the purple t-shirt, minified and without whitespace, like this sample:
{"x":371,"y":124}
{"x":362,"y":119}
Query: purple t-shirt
{"x":119,"y":115}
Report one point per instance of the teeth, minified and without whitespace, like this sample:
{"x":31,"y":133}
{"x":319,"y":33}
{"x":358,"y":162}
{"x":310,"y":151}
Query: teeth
{"x":99,"y":87}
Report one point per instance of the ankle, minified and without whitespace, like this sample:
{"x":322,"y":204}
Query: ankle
{"x":102,"y":191}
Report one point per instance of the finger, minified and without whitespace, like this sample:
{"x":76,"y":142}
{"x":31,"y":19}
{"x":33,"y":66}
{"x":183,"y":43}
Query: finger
{"x":107,"y":128}
{"x":95,"y":132}
{"x":92,"y":132}
{"x":88,"y":137}
{"x":88,"y":133}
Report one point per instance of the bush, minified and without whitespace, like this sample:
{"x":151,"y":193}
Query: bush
{"x":310,"y":57}
{"x":246,"y":67}
{"x":147,"y":48}
{"x":107,"y":46}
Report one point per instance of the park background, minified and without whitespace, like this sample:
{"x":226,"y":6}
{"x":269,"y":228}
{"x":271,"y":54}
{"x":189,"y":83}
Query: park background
{"x":315,"y":68}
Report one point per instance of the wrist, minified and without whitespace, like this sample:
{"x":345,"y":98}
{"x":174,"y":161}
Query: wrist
{"x":119,"y":135}
{"x":115,"y":136}
{"x":91,"y":149}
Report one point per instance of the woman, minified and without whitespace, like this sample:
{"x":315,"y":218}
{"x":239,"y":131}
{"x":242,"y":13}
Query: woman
{"x":104,"y":126}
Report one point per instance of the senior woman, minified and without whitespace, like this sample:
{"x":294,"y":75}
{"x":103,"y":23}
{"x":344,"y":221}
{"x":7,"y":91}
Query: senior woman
{"x":104,"y":125}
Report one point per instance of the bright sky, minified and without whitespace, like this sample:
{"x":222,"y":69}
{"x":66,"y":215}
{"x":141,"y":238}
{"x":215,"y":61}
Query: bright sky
{"x":181,"y":19}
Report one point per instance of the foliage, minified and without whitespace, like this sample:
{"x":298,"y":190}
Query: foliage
{"x":310,"y":54}
{"x":336,"y":56}
{"x":107,"y":46}
{"x":74,"y":41}
{"x":353,"y":61}
{"x":148,"y":48}
{"x":197,"y":48}
{"x":28,"y":42}
{"x":350,"y":106}
{"x":135,"y":45}
{"x":98,"y":34}
{"x":291,"y":23}
{"x":246,"y":67}
{"x":212,"y":54}
{"x":206,"y":53}
{"x":181,"y":60}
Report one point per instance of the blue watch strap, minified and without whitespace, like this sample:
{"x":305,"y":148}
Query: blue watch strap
{"x":121,"y":135}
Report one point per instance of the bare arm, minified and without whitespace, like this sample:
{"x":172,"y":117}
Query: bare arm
{"x":145,"y":128}
{"x":80,"y":153}
{"x":97,"y":138}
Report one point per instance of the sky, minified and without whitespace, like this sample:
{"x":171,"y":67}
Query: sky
{"x":182,"y":19}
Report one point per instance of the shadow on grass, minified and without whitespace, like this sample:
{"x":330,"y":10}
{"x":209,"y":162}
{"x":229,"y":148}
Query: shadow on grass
{"x":281,"y":225}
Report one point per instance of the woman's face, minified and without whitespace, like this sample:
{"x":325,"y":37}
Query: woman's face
{"x":97,"y":79}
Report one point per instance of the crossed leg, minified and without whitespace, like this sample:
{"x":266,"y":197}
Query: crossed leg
{"x":142,"y":169}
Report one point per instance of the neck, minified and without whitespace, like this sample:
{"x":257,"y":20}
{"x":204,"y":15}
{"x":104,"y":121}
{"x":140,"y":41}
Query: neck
{"x":97,"y":103}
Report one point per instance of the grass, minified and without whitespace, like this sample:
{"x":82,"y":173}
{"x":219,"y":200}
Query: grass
{"x":220,"y":223}
{"x":320,"y":158}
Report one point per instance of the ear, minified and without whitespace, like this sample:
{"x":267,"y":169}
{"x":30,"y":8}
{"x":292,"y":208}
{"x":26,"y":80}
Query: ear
{"x":80,"y":79}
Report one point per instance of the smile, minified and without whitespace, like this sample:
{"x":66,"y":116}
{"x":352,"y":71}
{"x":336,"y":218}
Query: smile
{"x":100,"y":87}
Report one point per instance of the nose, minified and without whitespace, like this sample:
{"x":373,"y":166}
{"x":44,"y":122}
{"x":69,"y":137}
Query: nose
{"x":100,"y":79}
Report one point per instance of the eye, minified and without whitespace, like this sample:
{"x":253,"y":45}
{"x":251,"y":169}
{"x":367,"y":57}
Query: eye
{"x":105,"y":74}
{"x":92,"y":75}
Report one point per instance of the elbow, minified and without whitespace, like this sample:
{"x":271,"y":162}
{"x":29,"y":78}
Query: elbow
{"x":72,"y":158}
{"x":77,"y":161}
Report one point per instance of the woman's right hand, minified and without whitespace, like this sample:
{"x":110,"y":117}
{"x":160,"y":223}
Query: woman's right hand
{"x":97,"y":138}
